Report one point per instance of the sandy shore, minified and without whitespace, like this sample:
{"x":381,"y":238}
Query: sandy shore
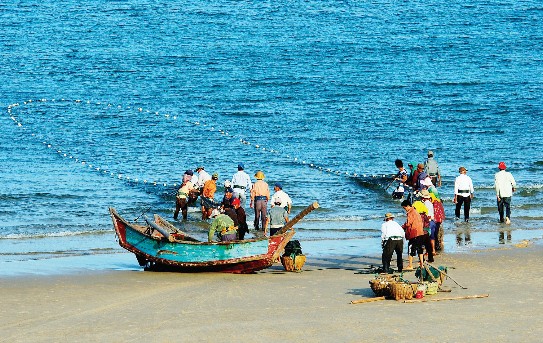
{"x":276,"y":306}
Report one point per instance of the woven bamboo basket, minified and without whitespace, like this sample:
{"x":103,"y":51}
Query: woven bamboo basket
{"x":293,"y":265}
{"x":402,"y":290}
{"x":380,"y":285}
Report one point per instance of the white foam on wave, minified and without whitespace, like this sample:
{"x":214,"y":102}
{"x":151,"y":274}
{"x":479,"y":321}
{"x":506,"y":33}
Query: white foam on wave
{"x":347,"y":218}
{"x":53,"y":234}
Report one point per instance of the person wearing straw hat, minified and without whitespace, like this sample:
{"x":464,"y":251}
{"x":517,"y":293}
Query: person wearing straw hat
{"x":463,"y":193}
{"x":427,"y":201}
{"x":260,"y":195}
{"x":505,"y":185}
{"x":392,"y":235}
{"x":183,"y":196}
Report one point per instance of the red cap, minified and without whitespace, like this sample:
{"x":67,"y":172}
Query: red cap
{"x":236,"y":202}
{"x":501,"y":166}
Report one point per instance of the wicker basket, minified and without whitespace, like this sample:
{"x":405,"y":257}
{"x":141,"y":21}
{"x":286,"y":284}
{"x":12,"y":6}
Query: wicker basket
{"x":380,"y":285}
{"x":293,"y":265}
{"x":431,"y":287}
{"x":402,"y":290}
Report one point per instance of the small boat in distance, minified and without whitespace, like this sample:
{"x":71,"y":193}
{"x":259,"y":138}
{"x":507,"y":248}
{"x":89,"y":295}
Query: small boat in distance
{"x":159,"y":245}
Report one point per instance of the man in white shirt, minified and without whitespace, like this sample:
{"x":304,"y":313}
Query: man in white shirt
{"x":463,"y":193}
{"x":241,"y":182}
{"x":392,"y":235}
{"x":282,"y":197}
{"x":505,"y":185}
{"x":203,"y":177}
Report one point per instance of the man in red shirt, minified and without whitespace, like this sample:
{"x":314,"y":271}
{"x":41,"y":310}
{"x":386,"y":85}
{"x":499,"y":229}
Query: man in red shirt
{"x":414,"y":233}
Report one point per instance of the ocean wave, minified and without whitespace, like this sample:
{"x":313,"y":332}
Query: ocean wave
{"x":533,"y":186}
{"x":347,"y":218}
{"x":335,"y":229}
{"x":55,"y":234}
{"x":82,"y":252}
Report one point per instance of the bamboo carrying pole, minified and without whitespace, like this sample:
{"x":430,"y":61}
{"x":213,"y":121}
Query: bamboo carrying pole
{"x":442,"y":272}
{"x":367,"y":300}
{"x":298,"y":217}
{"x":448,"y":298}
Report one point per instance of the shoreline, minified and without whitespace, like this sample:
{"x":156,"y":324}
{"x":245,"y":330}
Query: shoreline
{"x":81,"y":259}
{"x":310,"y":306}
{"x":113,"y":258}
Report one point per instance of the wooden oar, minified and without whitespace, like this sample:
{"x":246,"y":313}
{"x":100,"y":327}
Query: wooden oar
{"x":410,"y":301}
{"x":367,"y":300}
{"x":298,"y":217}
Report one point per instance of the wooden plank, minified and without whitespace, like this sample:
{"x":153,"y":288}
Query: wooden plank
{"x":447,"y":298}
{"x":367,"y":300}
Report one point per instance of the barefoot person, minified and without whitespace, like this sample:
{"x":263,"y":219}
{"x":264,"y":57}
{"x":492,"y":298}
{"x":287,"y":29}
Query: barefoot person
{"x":208,"y":196}
{"x":505,"y":185}
{"x":463,"y":193}
{"x":183,"y":196}
{"x":260,"y":195}
{"x":414,"y":233}
{"x":432,"y":168}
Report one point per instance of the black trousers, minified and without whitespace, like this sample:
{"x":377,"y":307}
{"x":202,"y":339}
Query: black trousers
{"x":504,"y":203}
{"x":389,"y":248}
{"x":466,"y":201}
{"x":427,"y":242}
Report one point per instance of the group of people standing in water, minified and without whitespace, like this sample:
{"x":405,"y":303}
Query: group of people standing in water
{"x":229,"y":220}
{"x":425,"y":212}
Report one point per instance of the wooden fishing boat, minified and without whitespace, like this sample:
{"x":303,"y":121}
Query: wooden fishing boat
{"x":159,"y":245}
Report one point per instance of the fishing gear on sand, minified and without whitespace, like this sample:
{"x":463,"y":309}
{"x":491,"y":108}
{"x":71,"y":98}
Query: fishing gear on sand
{"x":442,"y":272}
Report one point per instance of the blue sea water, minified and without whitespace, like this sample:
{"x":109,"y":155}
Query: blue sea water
{"x":106,"y":103}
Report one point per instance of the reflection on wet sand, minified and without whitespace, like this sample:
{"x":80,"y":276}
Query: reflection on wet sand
{"x":463,"y":237}
{"x":501,"y":238}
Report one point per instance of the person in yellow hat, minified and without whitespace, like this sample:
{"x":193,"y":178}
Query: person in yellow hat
{"x":260,"y":195}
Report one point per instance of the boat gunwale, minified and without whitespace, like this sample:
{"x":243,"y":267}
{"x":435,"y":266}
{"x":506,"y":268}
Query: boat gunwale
{"x":141,"y":229}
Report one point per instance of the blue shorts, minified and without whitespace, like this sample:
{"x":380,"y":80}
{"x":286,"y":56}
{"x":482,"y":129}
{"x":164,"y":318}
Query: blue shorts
{"x":432,"y":232}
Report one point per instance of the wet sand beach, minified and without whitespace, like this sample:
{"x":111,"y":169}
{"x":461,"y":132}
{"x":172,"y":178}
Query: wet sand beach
{"x":273,"y":305}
